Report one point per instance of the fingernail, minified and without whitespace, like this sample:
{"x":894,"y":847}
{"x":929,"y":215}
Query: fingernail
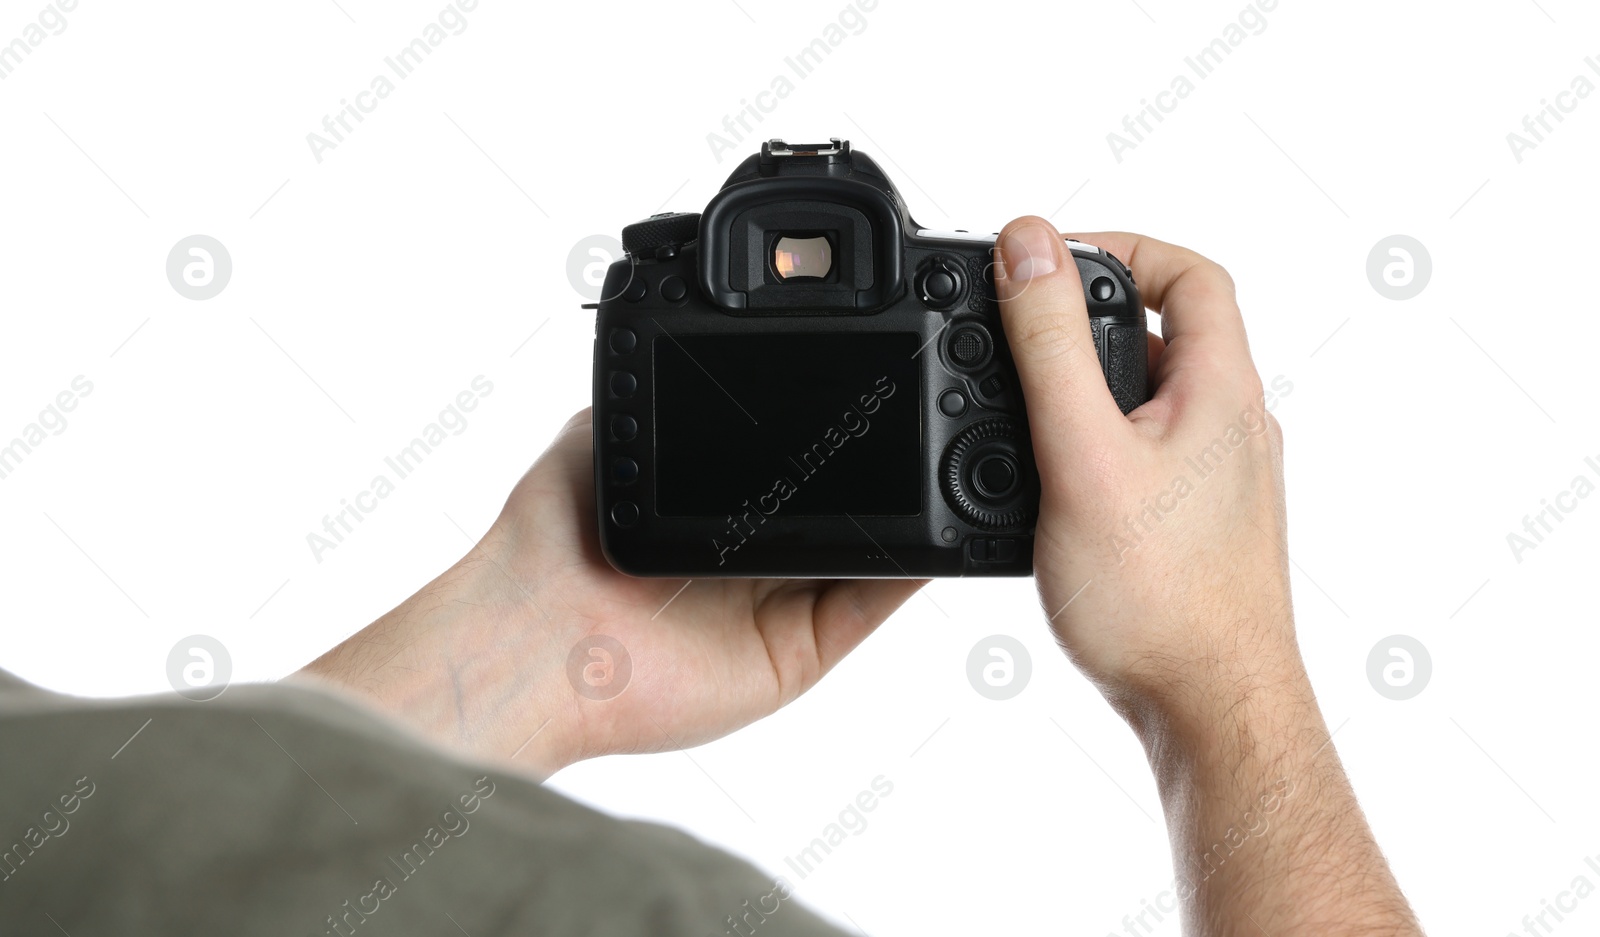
{"x":1028,"y":251}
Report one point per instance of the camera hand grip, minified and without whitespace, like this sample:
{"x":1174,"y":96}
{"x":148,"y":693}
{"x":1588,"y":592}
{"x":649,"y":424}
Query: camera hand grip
{"x":1121,"y":345}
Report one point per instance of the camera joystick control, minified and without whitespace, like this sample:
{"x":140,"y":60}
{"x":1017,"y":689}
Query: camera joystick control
{"x":941,"y":283}
{"x":669,"y":231}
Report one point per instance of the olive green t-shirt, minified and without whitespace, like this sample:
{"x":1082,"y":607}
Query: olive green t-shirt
{"x":286,"y":810}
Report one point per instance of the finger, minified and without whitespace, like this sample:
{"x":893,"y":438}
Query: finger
{"x":558,"y":487}
{"x":850,"y":609}
{"x":1154,"y":345}
{"x":584,"y":417}
{"x":571,"y":453}
{"x":1154,"y":415}
{"x":1047,"y":325}
{"x":1193,"y":294}
{"x":570,"y":450}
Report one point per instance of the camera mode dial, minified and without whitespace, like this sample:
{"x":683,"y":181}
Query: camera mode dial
{"x":667,"y":231}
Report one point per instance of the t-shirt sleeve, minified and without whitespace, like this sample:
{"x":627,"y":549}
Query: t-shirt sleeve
{"x":288,"y":810}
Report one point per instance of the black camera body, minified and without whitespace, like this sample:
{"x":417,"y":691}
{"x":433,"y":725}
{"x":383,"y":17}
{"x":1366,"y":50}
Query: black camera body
{"x":802,"y":382}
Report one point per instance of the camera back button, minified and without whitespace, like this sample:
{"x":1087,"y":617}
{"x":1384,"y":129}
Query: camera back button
{"x":624,"y":341}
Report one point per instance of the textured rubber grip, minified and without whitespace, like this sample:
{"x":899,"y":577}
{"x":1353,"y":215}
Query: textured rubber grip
{"x":1121,"y":344}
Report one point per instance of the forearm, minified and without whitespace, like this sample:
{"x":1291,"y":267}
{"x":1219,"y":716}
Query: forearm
{"x":439,"y":663}
{"x":1267,"y":836}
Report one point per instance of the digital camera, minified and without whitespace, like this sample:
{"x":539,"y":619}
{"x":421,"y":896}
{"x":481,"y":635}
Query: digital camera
{"x":803,"y":382}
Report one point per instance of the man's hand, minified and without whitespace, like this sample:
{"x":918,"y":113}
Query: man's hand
{"x":1160,"y":558}
{"x":1168,"y":525}
{"x":484,"y":655}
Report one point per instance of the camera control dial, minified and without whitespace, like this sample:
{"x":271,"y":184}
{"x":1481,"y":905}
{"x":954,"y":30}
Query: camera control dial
{"x":666,"y":231}
{"x":987,"y":475}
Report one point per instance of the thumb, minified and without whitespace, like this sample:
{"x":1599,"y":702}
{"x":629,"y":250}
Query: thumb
{"x":1047,"y":326}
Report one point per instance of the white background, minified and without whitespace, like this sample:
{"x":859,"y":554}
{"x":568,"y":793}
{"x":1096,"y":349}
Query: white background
{"x":370,"y":288}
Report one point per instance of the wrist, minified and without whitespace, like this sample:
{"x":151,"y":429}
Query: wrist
{"x":466,"y":662}
{"x":1236,"y":701}
{"x":1238,"y":747}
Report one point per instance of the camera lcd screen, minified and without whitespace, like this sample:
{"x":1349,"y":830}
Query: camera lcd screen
{"x":795,"y":425}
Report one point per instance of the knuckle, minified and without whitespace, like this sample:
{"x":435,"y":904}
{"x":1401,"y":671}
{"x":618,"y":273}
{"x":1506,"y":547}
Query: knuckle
{"x":1212,"y":281}
{"x":1275,"y":434}
{"x":1043,"y":337}
{"x":1220,"y":275}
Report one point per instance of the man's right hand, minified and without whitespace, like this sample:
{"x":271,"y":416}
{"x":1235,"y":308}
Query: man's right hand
{"x":1160,"y":554}
{"x":1167,"y":525}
